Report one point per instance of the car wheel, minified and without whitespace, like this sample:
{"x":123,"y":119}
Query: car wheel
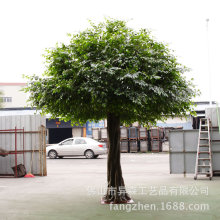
{"x":96,"y":156}
{"x":60,"y":157}
{"x":89,"y":154}
{"x":52,"y":154}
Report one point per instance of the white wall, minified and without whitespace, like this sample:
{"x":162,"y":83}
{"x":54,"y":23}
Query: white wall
{"x":13,"y":90}
{"x":176,"y":120}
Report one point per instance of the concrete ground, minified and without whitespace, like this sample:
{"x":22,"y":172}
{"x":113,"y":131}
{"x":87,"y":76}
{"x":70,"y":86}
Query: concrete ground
{"x":73,"y":188}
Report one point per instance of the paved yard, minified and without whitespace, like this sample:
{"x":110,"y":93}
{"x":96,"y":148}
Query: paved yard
{"x":73,"y":188}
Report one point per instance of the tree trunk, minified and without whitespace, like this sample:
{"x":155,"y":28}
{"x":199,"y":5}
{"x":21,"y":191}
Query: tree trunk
{"x":116,"y":192}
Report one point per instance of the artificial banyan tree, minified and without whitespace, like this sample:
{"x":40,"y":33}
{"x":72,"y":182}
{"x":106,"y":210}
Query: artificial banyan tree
{"x":112,"y":71}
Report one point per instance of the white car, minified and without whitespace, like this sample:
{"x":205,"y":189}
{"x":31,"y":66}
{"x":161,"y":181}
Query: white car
{"x":77,"y":146}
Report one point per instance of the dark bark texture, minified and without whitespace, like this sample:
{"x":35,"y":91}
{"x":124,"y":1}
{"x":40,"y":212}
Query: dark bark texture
{"x":116,"y":192}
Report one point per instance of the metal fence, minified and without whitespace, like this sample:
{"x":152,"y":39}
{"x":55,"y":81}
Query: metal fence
{"x":23,"y":138}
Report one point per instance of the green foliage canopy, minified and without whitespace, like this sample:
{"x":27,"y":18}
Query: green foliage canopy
{"x":111,"y":68}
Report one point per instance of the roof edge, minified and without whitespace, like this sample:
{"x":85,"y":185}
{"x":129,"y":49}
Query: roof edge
{"x":12,"y":84}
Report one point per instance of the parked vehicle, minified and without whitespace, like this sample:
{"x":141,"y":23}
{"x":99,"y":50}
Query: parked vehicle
{"x":77,"y":146}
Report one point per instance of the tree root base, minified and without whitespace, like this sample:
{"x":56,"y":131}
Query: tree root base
{"x":105,"y":202}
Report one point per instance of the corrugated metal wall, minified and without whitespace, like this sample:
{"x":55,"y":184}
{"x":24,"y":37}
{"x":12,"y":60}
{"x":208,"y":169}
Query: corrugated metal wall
{"x":213,"y":114}
{"x":77,"y":132}
{"x":183,"y":149}
{"x":33,"y":139}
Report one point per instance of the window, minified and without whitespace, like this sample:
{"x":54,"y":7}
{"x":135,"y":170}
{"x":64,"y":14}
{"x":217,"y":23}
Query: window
{"x":68,"y":142}
{"x":80,"y":141}
{"x":6,"y":99}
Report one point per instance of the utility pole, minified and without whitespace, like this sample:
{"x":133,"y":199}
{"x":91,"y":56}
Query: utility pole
{"x":208,"y":57}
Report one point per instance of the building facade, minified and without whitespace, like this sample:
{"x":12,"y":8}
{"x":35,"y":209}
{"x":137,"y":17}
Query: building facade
{"x":12,"y":96}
